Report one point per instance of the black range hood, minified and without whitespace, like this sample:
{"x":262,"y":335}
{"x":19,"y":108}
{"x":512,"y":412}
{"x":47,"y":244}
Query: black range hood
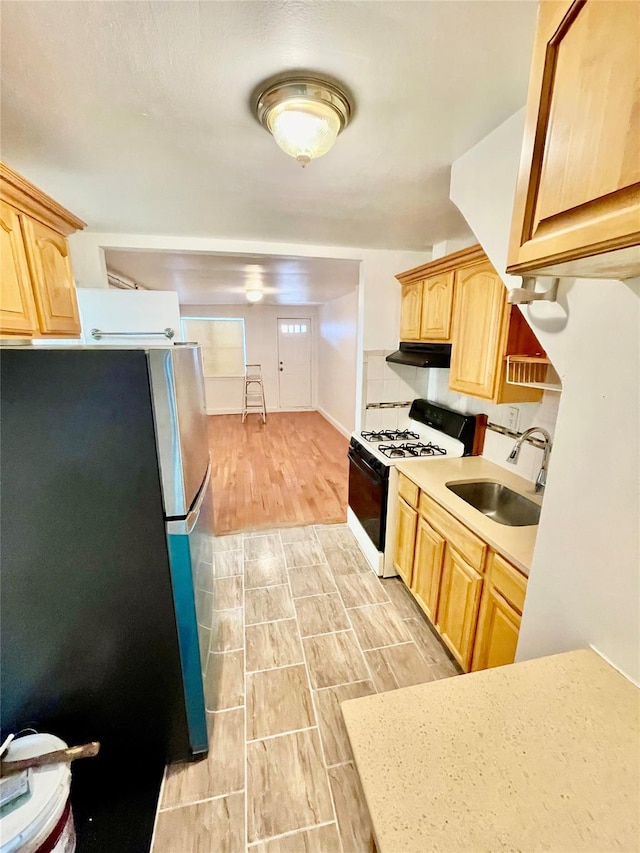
{"x":422,"y":355}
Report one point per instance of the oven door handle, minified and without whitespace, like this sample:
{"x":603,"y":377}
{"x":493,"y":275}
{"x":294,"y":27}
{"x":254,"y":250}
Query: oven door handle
{"x":365,"y":469}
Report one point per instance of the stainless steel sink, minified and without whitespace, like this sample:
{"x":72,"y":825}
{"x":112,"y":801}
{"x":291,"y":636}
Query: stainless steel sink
{"x":498,"y":502}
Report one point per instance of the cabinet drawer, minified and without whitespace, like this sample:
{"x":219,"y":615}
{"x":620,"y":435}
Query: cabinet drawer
{"x":509,"y":582}
{"x":463,"y":540}
{"x":408,"y":490}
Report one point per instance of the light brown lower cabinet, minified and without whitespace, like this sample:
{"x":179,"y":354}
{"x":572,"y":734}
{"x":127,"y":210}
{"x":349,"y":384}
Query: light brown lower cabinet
{"x":405,"y":540}
{"x":498,"y":629}
{"x":472,"y":595}
{"x":458,"y":606}
{"x":427,"y":568}
{"x":500,"y":614}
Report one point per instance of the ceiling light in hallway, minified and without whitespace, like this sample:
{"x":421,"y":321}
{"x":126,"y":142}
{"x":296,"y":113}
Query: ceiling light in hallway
{"x":254,"y":295}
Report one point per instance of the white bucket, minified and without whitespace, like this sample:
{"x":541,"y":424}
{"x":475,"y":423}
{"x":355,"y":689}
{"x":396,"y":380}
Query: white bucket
{"x":43,"y":822}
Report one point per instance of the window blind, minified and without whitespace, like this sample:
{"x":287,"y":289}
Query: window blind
{"x":222,"y":342}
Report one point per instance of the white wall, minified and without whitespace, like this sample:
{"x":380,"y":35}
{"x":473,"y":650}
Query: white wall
{"x":381,"y":320}
{"x":224,"y":395}
{"x":584,"y":587}
{"x":337,"y":357}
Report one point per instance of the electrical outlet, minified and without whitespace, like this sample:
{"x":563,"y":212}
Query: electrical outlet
{"x":513,"y":416}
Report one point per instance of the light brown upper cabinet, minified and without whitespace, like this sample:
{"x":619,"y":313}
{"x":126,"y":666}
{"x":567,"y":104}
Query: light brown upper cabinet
{"x":17,"y":308}
{"x":479,"y":325}
{"x":410,"y":309}
{"x":54,"y":287}
{"x":427,"y":297}
{"x":37,"y":290}
{"x":485,"y":330}
{"x":461,"y":299}
{"x":577,"y":206}
{"x":437,"y":302}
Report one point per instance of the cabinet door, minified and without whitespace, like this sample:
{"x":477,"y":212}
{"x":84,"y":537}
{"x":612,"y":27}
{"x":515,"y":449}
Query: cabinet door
{"x":578,"y":191}
{"x":458,"y":606}
{"x":53,"y":284}
{"x":498,"y":629}
{"x":427,"y":568}
{"x":17,"y":308}
{"x":410,"y":311}
{"x":437,"y":304}
{"x":405,"y":541}
{"x":479,"y":331}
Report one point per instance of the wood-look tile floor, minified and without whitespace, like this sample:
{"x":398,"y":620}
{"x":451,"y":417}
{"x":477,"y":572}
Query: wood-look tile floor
{"x":301,"y":625}
{"x":291,"y":470}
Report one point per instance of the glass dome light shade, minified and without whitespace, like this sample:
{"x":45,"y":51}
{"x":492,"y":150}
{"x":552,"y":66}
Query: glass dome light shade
{"x":303,"y":128}
{"x":254,"y":295}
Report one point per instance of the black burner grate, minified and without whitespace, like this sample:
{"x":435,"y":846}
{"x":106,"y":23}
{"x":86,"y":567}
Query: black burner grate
{"x":388,"y":435}
{"x":407,"y":449}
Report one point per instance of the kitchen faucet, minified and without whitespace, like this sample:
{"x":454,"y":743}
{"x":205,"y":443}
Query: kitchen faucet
{"x":541,"y":479}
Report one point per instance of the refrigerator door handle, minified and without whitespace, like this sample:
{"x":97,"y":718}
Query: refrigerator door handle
{"x":184,"y":526}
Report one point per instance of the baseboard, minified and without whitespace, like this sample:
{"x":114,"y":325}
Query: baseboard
{"x":269,"y":411}
{"x":334,"y":422}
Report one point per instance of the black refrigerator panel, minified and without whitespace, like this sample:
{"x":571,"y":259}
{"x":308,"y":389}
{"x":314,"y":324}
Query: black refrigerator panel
{"x":88,"y":644}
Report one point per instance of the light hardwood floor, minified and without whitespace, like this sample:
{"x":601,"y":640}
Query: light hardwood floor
{"x":316,"y":628}
{"x":291,"y":470}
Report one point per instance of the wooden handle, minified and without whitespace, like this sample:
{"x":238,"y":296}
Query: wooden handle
{"x":88,"y":750}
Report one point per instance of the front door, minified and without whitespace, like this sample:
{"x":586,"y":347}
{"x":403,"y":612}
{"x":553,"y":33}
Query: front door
{"x":294,"y":363}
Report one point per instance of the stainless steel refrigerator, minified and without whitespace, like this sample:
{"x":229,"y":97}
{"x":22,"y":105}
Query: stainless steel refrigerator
{"x":105,"y":616}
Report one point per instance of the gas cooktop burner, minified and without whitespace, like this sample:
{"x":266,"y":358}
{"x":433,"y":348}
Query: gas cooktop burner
{"x":396,"y":451}
{"x":389,"y":435}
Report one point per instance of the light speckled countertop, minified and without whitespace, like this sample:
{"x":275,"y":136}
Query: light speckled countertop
{"x":540,"y":755}
{"x":431,"y":475}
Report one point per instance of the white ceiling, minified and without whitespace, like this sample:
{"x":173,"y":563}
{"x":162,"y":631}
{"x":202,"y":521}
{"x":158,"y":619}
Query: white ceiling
{"x":135,"y":114}
{"x":213,"y":279}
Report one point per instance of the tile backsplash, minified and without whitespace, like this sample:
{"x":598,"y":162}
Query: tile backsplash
{"x":391,"y":383}
{"x":396,"y":383}
{"x":497,"y":447}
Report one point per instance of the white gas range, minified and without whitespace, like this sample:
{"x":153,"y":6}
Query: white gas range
{"x":435,"y":433}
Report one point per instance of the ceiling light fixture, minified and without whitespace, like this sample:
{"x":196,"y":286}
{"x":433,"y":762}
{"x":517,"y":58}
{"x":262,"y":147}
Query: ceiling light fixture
{"x":304,"y":114}
{"x":254,"y":295}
